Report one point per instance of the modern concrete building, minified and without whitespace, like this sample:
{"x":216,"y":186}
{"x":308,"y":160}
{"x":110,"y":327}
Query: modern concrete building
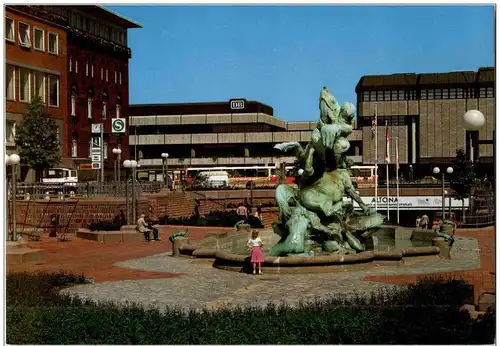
{"x":233,"y":133}
{"x":425,"y":111}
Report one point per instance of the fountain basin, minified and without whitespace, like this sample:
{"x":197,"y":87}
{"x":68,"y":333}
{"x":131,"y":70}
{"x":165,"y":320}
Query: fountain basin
{"x":230,"y":253}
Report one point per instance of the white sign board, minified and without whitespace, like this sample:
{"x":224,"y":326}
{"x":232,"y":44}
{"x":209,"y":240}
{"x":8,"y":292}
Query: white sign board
{"x":237,"y":104}
{"x":96,"y":158}
{"x":96,"y":165}
{"x":97,"y":128}
{"x":118,"y":125}
{"x":411,"y":203}
{"x":96,"y":143}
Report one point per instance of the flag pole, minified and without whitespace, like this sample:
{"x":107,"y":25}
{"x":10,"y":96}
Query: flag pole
{"x":387,"y":159}
{"x":397,"y":180}
{"x":376,"y":157}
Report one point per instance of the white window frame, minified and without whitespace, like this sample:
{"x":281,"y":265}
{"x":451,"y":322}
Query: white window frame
{"x":29,"y":85}
{"x":35,"y":73}
{"x":58,"y":90}
{"x":28,"y":32}
{"x":41,"y":49}
{"x":76,"y":66}
{"x":92,"y":70}
{"x":12,"y":26}
{"x":13,"y":75}
{"x":117,"y":110}
{"x":87,"y":67}
{"x":7,"y":141}
{"x":107,"y":74}
{"x":104,"y":110}
{"x":74,"y":147}
{"x":116,"y":76}
{"x":57,"y":43}
{"x":120,"y":77}
{"x":73,"y":105}
{"x":89,"y":108}
{"x":70,"y":63}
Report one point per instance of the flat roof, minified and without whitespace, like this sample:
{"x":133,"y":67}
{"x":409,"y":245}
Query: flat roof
{"x":107,"y":14}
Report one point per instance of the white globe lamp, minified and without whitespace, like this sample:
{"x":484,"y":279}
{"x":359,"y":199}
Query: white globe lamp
{"x":14,"y":159}
{"x":133,"y":163}
{"x":301,"y":171}
{"x":473,"y":120}
{"x":449,"y":170}
{"x":436,"y":170}
{"x":126,"y":164}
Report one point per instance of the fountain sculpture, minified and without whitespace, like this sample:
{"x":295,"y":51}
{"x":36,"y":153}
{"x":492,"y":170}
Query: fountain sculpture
{"x":316,"y":217}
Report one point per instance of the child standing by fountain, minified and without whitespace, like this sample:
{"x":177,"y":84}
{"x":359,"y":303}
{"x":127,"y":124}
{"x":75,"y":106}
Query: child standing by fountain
{"x":255,"y":243}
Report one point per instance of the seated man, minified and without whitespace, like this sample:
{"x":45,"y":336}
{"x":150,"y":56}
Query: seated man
{"x":152,"y":221}
{"x":142,"y":226}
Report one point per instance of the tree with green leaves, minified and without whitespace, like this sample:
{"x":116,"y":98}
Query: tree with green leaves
{"x":36,"y":139}
{"x":463,"y":177}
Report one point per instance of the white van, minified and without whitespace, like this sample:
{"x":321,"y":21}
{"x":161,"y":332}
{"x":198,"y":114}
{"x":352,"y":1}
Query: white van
{"x":215,"y":178}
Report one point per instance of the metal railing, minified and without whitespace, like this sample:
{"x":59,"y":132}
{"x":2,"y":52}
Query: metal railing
{"x":34,"y":191}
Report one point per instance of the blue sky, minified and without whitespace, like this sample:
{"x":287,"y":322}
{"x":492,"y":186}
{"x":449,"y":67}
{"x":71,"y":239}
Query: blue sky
{"x":283,"y":55}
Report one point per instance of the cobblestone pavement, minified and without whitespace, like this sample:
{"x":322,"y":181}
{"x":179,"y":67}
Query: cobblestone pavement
{"x":202,"y":286}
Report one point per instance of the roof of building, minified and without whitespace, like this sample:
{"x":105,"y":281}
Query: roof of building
{"x":484,"y":74}
{"x":107,"y":14}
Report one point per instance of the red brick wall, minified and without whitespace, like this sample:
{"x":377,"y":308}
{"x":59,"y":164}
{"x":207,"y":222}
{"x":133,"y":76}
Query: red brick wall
{"x":31,"y":57}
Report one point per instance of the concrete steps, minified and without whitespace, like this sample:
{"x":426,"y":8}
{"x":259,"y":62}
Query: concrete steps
{"x":19,"y":252}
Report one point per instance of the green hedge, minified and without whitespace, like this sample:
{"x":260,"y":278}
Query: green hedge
{"x":213,"y":219}
{"x":424,"y":313}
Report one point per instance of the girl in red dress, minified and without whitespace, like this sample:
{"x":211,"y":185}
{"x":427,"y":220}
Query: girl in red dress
{"x":256,"y":244}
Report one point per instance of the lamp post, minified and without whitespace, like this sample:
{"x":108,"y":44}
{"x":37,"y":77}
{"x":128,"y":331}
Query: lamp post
{"x":164,"y":157}
{"x":127,"y":165}
{"x":449,"y":170}
{"x":13,"y":160}
{"x":133,"y":165}
{"x":117,"y":152}
{"x":473,"y":121}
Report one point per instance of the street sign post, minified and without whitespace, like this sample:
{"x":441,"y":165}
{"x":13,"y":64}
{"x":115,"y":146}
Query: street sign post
{"x":118,"y":125}
{"x":97,"y":151}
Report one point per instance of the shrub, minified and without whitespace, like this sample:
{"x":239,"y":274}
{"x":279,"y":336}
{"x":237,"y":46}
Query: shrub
{"x":104,"y":226}
{"x":213,"y":219}
{"x":37,"y":314}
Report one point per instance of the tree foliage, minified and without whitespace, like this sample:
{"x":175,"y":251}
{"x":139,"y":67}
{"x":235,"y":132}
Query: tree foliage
{"x":36,"y":138}
{"x":462,"y":178}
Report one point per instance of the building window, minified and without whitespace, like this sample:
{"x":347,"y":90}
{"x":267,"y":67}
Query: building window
{"x":104,"y":110}
{"x":107,"y":74}
{"x":24,"y":85}
{"x":438,"y":94}
{"x":10,"y":83}
{"x":116,"y":76}
{"x":73,"y":105}
{"x":10,"y":132}
{"x":423,"y":94}
{"x":430,"y":94}
{"x":446,"y":94}
{"x":482,"y":93}
{"x":120,"y":77}
{"x":87,"y":67}
{"x":117,"y":111}
{"x":460,"y":93}
{"x":70,"y":64}
{"x":401,"y":95}
{"x":380,"y":95}
{"x":9,"y":29}
{"x":53,"y":43}
{"x":74,"y":148}
{"x":54,"y":91}
{"x":76,"y":65}
{"x":373,"y":96}
{"x":365,"y":97}
{"x":24,"y":35}
{"x":453,"y":93}
{"x":92,"y":70}
{"x":102,"y":73}
{"x":105,"y":150}
{"x":394,"y":95}
{"x":490,"y":92}
{"x":39,"y":81}
{"x":89,"y":108}
{"x":38,"y":39}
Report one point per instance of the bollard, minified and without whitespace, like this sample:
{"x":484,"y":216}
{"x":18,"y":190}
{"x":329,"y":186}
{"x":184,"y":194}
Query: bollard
{"x":176,"y":245}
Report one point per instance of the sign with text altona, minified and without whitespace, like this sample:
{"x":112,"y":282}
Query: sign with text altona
{"x":411,"y":203}
{"x":118,"y":125}
{"x":237,"y":104}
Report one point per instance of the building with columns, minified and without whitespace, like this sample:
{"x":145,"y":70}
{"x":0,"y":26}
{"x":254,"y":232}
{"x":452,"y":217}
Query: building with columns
{"x":425,"y":111}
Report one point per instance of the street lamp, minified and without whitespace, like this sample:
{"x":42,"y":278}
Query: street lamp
{"x":449,"y":170}
{"x":473,"y":121}
{"x":164,"y":167}
{"x":131,"y":164}
{"x":117,"y":152}
{"x":13,"y":160}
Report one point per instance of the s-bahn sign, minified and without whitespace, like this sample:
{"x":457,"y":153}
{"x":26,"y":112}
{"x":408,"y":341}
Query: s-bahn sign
{"x":237,"y":104}
{"x":411,"y":203}
{"x":118,"y":125}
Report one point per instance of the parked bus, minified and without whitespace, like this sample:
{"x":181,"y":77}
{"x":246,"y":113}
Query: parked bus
{"x":60,"y":176}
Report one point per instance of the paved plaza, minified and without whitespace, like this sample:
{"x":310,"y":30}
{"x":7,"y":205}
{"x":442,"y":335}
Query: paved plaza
{"x":146,"y":273}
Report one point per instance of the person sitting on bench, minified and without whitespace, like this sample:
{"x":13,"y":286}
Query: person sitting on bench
{"x":153,"y":221}
{"x":142,"y":226}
